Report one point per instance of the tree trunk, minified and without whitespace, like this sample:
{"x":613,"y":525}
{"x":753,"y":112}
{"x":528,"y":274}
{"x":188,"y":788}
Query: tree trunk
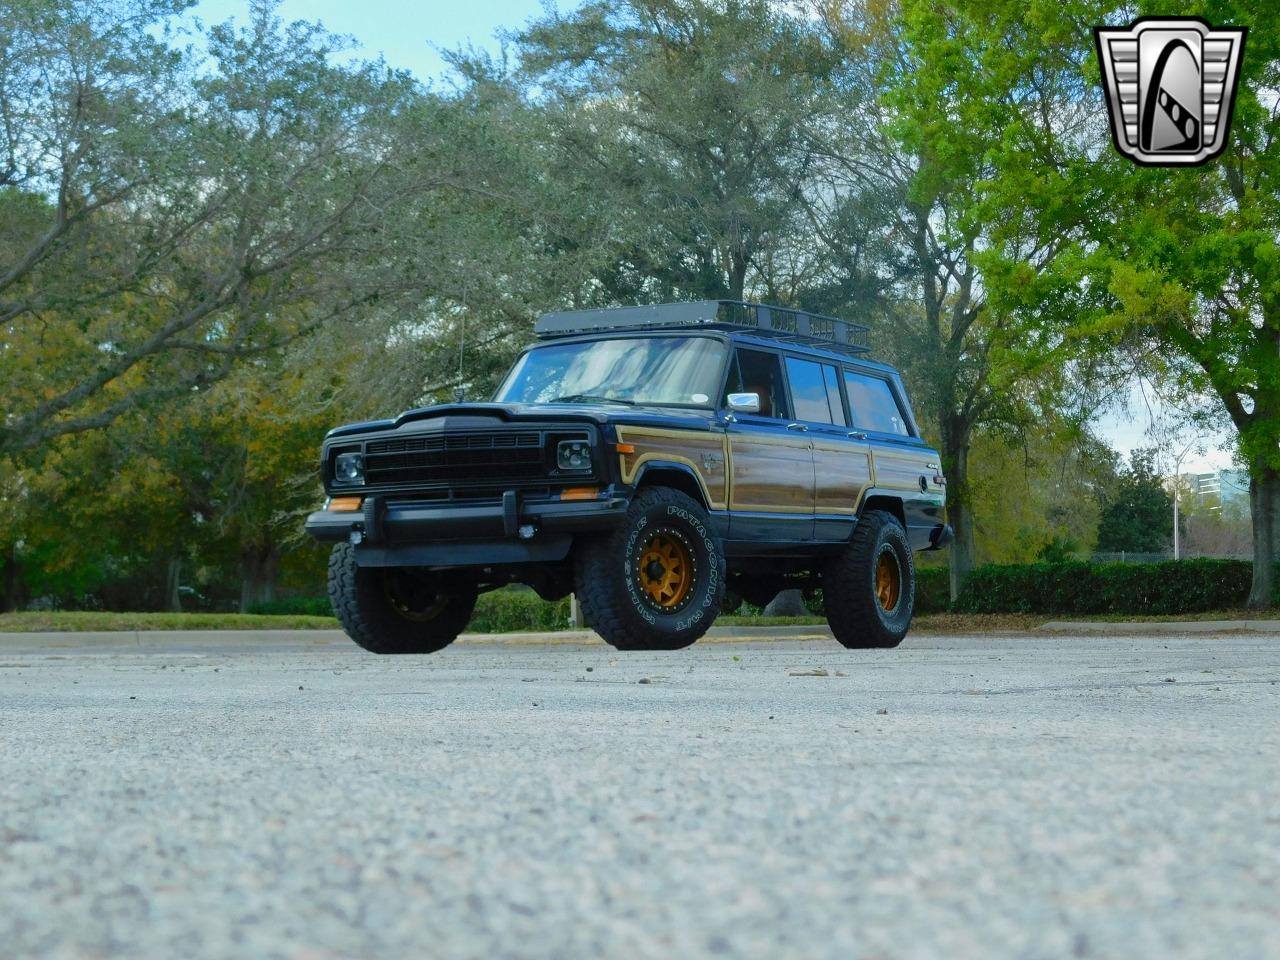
{"x":738,"y":274}
{"x":955,"y":457}
{"x":173,"y":579}
{"x":258,"y":566}
{"x":269,"y":572}
{"x":1264,"y":507}
{"x":10,"y":580}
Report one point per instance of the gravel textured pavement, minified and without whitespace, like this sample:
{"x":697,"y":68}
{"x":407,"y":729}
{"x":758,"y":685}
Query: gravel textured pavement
{"x":959,"y":797}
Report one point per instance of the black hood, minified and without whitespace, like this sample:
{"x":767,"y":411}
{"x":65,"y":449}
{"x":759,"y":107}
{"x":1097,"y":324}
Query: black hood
{"x":471,"y":416}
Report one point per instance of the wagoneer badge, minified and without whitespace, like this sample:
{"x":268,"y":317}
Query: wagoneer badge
{"x":1170,"y":85}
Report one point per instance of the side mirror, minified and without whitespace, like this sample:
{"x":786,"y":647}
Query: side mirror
{"x":744,"y":402}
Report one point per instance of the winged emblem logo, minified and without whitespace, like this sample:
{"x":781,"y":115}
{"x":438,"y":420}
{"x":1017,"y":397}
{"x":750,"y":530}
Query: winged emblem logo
{"x":1170,"y":84}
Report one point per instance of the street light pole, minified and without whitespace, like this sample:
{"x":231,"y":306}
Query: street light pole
{"x":1177,"y":473}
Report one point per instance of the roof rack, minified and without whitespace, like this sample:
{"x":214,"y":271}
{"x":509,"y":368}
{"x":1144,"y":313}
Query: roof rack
{"x":779,"y":323}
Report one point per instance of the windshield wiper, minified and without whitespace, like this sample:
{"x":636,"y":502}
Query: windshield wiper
{"x":590,"y":398}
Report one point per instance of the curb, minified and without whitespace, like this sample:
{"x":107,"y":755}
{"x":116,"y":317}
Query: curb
{"x":1128,"y":628}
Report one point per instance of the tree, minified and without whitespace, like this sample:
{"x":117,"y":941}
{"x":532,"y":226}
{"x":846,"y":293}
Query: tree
{"x":244,"y":459}
{"x":1042,"y":490}
{"x":164,"y":218}
{"x":691,"y":122}
{"x":1192,"y":258}
{"x":1138,"y":516}
{"x":969,"y":112}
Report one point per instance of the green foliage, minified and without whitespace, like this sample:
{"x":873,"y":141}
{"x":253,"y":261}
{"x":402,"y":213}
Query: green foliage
{"x":1190,"y":262}
{"x":1170,"y":587}
{"x":933,"y":589}
{"x":1038,"y":489}
{"x":1057,"y":550}
{"x":966,"y":143}
{"x":1138,"y":514}
{"x":164,"y":218}
{"x":689,"y":125}
{"x":505,"y":611}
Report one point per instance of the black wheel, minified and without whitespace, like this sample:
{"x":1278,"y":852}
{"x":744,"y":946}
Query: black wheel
{"x":869,"y":590}
{"x":657,"y":581}
{"x":396,"y":609}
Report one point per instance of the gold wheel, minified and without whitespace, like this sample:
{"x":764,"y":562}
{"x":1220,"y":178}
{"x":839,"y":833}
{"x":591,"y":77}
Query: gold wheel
{"x":666,"y":570}
{"x":888,"y":580}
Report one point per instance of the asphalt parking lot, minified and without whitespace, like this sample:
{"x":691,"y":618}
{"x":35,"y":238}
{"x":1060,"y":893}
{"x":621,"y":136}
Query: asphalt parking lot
{"x":958,"y":797}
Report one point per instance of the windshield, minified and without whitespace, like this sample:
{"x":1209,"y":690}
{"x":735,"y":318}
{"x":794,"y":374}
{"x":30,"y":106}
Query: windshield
{"x":683,"y":371}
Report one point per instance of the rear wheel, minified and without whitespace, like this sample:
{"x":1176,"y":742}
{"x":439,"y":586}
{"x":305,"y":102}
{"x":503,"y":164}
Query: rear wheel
{"x":657,"y":581}
{"x":869,"y":590}
{"x":396,"y":609}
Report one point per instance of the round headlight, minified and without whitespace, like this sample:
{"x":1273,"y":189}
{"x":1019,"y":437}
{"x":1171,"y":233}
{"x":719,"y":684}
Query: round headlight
{"x":349,"y":468}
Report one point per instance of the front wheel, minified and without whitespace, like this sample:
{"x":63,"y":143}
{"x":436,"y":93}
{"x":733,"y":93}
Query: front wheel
{"x":869,"y":590}
{"x":657,"y":581}
{"x":396,"y":609}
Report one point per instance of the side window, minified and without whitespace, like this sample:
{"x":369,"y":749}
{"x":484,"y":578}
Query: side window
{"x":872,"y":405}
{"x":759,"y":372}
{"x":808,"y":390}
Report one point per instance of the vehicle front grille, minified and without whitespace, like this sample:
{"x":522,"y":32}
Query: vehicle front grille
{"x":457,"y":460}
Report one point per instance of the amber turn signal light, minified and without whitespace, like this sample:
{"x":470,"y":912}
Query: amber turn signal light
{"x":344,"y":504}
{"x":625,"y":447}
{"x":579,"y":493}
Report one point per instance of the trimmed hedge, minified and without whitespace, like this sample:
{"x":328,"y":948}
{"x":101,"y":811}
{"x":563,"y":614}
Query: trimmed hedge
{"x":1167,"y":587}
{"x":933,"y":589}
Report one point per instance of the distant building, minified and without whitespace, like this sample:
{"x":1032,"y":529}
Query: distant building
{"x":1226,"y":486}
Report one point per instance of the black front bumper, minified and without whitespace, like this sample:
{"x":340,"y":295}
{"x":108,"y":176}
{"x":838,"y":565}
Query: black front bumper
{"x":407,"y":533}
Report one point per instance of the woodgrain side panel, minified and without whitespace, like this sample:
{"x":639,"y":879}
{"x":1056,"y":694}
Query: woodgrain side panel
{"x":902,"y":469}
{"x":771,"y":474}
{"x":843,"y":472}
{"x":703,"y":452}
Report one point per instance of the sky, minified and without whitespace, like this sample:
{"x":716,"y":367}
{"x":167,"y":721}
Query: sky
{"x":1128,"y":424}
{"x":405,"y":32}
{"x":409,"y":34}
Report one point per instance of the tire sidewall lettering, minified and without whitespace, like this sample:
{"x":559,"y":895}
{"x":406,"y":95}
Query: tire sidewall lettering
{"x":707,"y":589}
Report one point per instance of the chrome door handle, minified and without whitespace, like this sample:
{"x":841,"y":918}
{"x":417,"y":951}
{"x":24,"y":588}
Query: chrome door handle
{"x":798,"y":426}
{"x":856,"y":435}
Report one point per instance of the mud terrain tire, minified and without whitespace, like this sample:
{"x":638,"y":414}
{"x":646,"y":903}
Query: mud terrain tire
{"x":658,"y":580}
{"x":396,"y":610}
{"x":869,"y":589}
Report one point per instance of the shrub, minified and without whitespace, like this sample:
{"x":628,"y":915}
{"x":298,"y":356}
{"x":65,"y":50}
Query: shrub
{"x":933,"y":589}
{"x":1167,"y":587}
{"x":504,"y":611}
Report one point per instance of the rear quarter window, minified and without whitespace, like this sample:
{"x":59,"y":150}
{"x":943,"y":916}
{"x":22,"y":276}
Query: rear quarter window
{"x":872,"y":405}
